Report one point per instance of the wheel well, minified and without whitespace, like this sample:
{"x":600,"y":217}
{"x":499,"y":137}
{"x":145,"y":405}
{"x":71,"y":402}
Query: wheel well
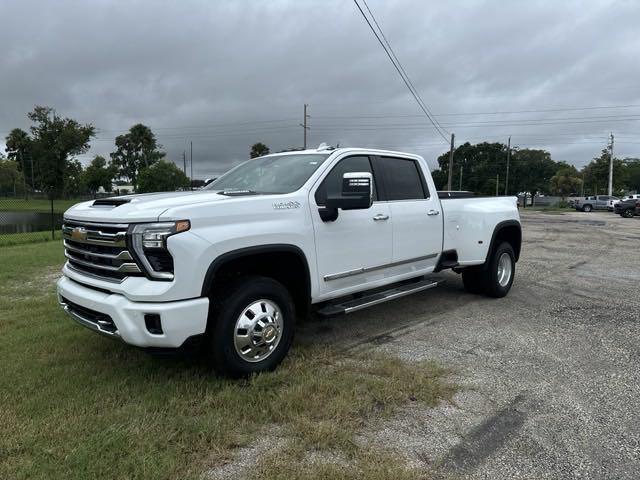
{"x":510,"y":233}
{"x":285,"y":265}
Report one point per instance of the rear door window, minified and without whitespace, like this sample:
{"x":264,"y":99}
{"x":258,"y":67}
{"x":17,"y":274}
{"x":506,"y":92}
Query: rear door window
{"x":402,"y":179}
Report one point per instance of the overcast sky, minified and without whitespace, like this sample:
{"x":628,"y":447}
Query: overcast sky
{"x":228,"y":74}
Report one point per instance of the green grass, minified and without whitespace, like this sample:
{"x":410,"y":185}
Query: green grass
{"x":13,"y":239}
{"x":75,"y":405}
{"x":35,"y":205}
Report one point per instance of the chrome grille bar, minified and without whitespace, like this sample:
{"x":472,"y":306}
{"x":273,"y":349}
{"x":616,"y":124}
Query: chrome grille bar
{"x":94,"y":237}
{"x":122,"y":268}
{"x":123,"y":255}
{"x":99,"y":250}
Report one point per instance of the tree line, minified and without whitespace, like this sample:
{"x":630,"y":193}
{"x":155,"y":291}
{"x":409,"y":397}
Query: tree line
{"x":482,"y":167}
{"x":43,"y":160}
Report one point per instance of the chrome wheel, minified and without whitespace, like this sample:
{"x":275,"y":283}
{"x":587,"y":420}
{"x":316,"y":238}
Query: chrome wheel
{"x":258,"y":330}
{"x":505,"y":268}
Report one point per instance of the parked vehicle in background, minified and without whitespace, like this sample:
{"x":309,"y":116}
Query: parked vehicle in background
{"x":571,"y":200}
{"x":628,"y":208}
{"x":635,"y":196}
{"x":234,"y":265}
{"x":596,"y":202}
{"x":611,"y":202}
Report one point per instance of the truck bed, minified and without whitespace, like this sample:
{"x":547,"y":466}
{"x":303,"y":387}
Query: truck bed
{"x":469,"y":224}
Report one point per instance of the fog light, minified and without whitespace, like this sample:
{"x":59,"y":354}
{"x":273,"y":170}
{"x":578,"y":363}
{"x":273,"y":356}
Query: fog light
{"x":153,"y":323}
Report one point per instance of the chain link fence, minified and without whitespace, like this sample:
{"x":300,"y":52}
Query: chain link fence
{"x":31,"y":219}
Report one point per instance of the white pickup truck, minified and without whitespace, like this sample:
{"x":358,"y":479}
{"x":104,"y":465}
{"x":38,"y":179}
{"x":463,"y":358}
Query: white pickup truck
{"x":232,"y":267}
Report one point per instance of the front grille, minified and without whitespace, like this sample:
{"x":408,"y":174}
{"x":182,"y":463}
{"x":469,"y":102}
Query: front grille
{"x":99,"y":250}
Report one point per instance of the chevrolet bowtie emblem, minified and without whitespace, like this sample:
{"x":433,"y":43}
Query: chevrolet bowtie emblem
{"x":79,"y":234}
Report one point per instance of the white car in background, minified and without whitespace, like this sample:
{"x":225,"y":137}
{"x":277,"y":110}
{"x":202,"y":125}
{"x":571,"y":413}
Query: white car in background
{"x":612,"y":203}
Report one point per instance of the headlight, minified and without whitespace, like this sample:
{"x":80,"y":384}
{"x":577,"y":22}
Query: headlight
{"x":149,"y":245}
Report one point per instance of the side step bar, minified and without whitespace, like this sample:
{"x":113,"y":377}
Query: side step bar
{"x":370,"y":300}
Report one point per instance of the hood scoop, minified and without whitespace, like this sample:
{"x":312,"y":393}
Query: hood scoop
{"x":110,"y":202}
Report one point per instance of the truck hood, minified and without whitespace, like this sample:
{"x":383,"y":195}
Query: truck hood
{"x":139,"y":208}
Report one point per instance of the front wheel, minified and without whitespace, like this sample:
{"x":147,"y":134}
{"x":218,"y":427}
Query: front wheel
{"x":251,"y":326}
{"x":586,"y":208}
{"x":628,"y":213}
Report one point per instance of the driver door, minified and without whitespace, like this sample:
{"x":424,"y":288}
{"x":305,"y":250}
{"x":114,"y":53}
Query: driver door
{"x":356,"y":240}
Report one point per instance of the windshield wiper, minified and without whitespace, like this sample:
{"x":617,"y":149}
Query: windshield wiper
{"x":232,"y":193}
{"x":238,"y":192}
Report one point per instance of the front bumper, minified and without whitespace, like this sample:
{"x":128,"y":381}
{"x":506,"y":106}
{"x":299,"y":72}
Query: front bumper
{"x":116,"y":316}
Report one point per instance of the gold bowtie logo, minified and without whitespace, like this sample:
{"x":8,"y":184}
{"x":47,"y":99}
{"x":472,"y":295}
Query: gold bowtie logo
{"x":79,"y":234}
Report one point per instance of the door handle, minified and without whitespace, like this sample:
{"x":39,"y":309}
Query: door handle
{"x":433,"y":212}
{"x":379,"y":217}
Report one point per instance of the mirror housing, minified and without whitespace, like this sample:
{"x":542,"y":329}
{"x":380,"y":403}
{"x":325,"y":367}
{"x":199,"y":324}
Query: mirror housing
{"x":357,"y":194}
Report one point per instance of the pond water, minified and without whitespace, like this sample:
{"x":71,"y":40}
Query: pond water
{"x":19,"y":222}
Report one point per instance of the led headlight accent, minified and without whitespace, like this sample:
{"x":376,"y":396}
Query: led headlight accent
{"x":149,"y":240}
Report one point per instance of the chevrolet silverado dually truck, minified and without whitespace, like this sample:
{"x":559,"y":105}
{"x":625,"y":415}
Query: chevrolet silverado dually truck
{"x":233,"y":266}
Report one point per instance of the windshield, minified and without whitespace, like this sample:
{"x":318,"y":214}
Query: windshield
{"x":272,"y":174}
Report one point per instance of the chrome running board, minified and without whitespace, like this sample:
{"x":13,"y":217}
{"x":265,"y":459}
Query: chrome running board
{"x":372,"y":299}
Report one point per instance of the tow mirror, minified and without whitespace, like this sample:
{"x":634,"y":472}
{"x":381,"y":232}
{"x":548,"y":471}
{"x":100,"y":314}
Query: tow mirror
{"x":357,"y":194}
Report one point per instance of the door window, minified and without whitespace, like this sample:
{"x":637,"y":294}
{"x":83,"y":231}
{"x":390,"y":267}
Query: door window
{"x":332,"y":183}
{"x":402,"y":179}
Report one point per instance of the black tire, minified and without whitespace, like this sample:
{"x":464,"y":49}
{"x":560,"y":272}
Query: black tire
{"x":227,"y":307}
{"x":493,"y":287}
{"x":473,"y":279}
{"x":628,"y":213}
{"x":586,"y":208}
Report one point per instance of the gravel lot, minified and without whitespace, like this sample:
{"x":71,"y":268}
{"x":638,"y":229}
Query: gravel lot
{"x":550,"y":374}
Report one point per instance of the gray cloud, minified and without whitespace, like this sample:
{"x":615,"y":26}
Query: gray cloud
{"x":227,"y":74}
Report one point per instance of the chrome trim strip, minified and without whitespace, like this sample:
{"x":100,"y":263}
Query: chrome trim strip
{"x":85,"y":322}
{"x":92,"y":275}
{"x":357,"y":271}
{"x":123,"y":255}
{"x":124,"y":268}
{"x":97,"y":237}
{"x":81,"y":223}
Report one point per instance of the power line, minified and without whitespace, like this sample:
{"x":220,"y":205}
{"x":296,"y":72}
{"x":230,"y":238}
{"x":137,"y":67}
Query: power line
{"x":450,"y":114}
{"x":395,"y":57}
{"x":406,"y":80}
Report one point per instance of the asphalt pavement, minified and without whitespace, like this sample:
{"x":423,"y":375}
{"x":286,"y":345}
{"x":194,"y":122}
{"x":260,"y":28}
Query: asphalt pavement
{"x":549,"y":375}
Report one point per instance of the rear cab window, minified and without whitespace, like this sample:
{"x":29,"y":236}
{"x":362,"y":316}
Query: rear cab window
{"x":403,"y":179}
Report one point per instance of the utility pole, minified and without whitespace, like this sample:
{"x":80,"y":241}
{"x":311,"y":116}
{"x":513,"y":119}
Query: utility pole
{"x":497,"y":182}
{"x":304,"y":125}
{"x":191,"y":182}
{"x":506,"y":180}
{"x":460,"y":186}
{"x":24,"y":175}
{"x":184,"y":161}
{"x":582,"y":189}
{"x":610,"y":191}
{"x":450,"y":162}
{"x":33,"y":183}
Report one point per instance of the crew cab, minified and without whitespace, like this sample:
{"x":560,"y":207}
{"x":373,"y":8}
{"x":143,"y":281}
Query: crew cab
{"x":233,"y":266}
{"x":594,"y":202}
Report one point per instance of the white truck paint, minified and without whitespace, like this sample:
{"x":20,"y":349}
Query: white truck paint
{"x":236,"y":235}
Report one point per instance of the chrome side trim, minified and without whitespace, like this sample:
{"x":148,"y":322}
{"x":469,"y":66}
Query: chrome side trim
{"x":357,"y":271}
